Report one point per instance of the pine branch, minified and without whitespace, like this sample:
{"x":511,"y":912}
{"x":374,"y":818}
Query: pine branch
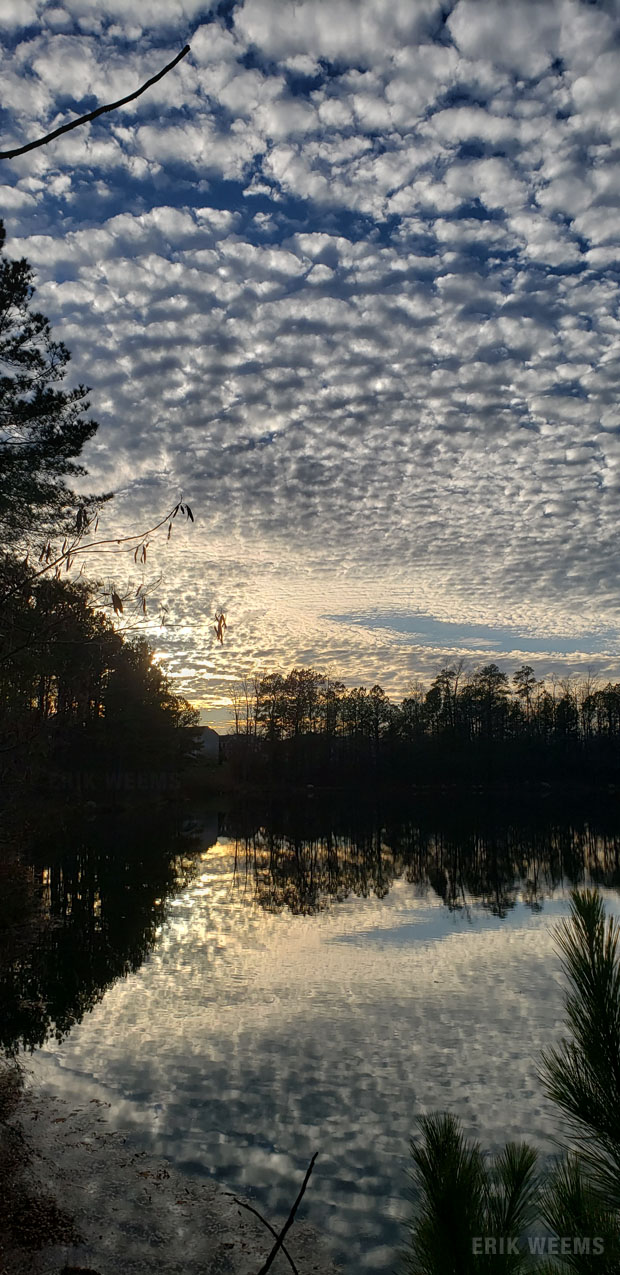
{"x":582,"y":1073}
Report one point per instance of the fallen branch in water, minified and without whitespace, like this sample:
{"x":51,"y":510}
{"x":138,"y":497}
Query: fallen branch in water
{"x":289,"y":1221}
{"x":271,"y":1228}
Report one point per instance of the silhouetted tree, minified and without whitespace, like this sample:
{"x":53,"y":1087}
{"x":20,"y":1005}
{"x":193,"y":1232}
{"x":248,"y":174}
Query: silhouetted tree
{"x":483,"y":727}
{"x":525,"y":684}
{"x":69,"y":680}
{"x":43,"y":426}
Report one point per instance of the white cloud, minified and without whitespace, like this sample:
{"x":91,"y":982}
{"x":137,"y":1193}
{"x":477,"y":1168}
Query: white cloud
{"x":521,"y":37}
{"x":340,"y":30}
{"x":18,"y":13}
{"x":370,"y":330}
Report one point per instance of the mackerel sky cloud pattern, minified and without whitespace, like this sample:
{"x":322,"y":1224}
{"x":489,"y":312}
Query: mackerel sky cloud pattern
{"x":348,"y":279}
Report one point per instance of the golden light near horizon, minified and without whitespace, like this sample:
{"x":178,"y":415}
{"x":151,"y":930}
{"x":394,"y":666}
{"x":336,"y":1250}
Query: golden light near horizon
{"x":367,"y":329}
{"x":343,"y":275}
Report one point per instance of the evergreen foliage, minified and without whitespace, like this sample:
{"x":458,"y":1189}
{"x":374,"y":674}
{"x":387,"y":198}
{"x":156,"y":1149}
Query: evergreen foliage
{"x":463,"y":1196}
{"x":460,"y":1195}
{"x":582,"y":1074}
{"x":43,"y":426}
{"x":72,"y":687}
{"x":67,"y":677}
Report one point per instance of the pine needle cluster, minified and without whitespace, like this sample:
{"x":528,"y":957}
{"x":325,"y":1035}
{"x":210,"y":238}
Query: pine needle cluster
{"x":459,"y":1193}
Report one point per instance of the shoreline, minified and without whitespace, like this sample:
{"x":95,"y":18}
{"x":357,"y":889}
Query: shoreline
{"x":95,"y":787}
{"x":132,"y":1212}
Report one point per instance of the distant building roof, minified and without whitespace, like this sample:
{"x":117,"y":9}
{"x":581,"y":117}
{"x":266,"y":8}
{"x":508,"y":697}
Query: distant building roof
{"x":207,"y":739}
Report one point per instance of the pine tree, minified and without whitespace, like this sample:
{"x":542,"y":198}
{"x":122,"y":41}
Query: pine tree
{"x":43,"y":427}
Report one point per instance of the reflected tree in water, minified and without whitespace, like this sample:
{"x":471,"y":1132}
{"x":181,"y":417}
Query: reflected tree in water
{"x":100,"y":889}
{"x":461,"y":860}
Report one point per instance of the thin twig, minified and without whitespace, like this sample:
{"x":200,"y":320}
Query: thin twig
{"x":271,"y":1228}
{"x":289,"y":1221}
{"x":101,"y":110}
{"x":78,"y":546}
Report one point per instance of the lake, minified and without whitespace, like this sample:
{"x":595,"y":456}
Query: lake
{"x":246,"y":990}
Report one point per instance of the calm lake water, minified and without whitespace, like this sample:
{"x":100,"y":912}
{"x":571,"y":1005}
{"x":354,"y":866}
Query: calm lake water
{"x":246,"y":1000}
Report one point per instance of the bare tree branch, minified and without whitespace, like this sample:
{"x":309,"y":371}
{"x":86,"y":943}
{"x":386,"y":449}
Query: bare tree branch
{"x":101,"y":110}
{"x":289,"y":1221}
{"x":78,"y":546}
{"x":53,"y":560}
{"x":271,"y":1228}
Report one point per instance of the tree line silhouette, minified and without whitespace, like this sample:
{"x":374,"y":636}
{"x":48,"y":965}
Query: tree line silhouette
{"x":72,"y":686}
{"x":479,"y":726}
{"x":73,"y":690}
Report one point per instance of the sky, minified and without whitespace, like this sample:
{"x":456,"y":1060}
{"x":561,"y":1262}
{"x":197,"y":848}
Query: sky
{"x":346,"y":280}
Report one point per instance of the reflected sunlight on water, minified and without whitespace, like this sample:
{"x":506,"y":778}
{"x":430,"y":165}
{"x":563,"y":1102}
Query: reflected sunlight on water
{"x":249,"y":1039}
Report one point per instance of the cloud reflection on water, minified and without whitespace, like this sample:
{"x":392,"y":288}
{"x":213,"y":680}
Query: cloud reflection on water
{"x":248,"y":1039}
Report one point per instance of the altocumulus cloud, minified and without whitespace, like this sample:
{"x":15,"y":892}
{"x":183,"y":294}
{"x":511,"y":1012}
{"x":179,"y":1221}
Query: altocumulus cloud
{"x":348,"y":278}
